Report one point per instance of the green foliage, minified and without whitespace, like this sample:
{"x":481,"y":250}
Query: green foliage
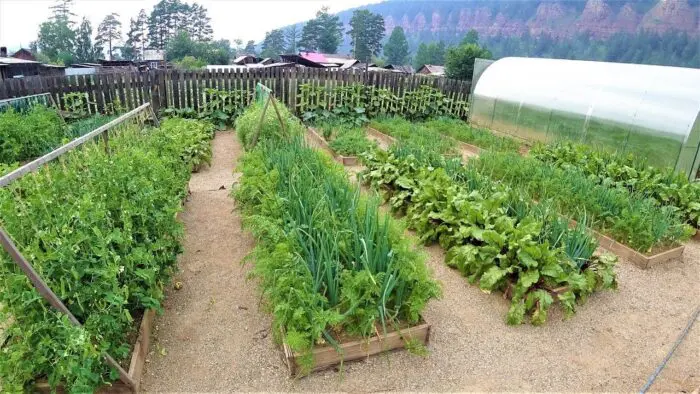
{"x":29,"y":134}
{"x":357,"y":103}
{"x":431,"y":53}
{"x":630,"y":218}
{"x":190,"y":63}
{"x":109,"y":30}
{"x":171,"y":17}
{"x":323,"y":33}
{"x":529,"y":253}
{"x":465,"y":132}
{"x":347,"y":141}
{"x":274,"y":44}
{"x":211,"y":52}
{"x":84,"y":126}
{"x":328,"y":261}
{"x":76,"y":104}
{"x":220,"y":107}
{"x":102,"y":232}
{"x":396,"y":48}
{"x":248,"y":125}
{"x":459,"y":61}
{"x":366,"y":34}
{"x":629,"y":172}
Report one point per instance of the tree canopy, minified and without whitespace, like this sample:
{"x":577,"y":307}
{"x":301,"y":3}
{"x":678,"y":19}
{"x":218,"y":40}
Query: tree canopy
{"x":273,"y":44}
{"x":431,"y":53}
{"x":323,"y":33}
{"x":366,"y":34}
{"x":109,"y":31}
{"x":396,"y":48}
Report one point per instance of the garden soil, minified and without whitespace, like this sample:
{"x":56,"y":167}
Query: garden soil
{"x":214,"y":335}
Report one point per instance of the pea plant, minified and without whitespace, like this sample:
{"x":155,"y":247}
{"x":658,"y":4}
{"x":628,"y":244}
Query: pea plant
{"x":101,"y":230}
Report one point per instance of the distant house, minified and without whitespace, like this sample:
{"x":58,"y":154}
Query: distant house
{"x":24,"y":54}
{"x":153,"y":59}
{"x":400,"y":69}
{"x":246,"y":59}
{"x":430,"y":69}
{"x":321,"y":60}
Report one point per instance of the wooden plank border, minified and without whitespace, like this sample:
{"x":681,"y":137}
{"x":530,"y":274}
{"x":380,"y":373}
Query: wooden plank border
{"x":321,"y":142}
{"x":327,"y":356}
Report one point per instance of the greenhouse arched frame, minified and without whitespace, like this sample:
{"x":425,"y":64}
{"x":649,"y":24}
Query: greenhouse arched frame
{"x":652,"y":112}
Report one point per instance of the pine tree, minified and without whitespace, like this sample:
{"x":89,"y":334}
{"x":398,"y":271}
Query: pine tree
{"x":366,"y":33}
{"x":309,"y":36}
{"x":292,"y":36}
{"x":330,"y":32}
{"x":273,"y":44}
{"x":109,"y":31}
{"x":249,"y":48}
{"x":396,"y":48}
{"x":84,"y":50}
{"x":56,"y":38}
{"x":201,"y":26}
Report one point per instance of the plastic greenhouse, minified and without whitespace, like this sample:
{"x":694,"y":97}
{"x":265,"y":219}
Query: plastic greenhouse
{"x":651,"y":111}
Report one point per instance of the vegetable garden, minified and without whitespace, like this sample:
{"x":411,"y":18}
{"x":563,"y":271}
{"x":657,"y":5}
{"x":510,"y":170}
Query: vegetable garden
{"x":335,"y":263}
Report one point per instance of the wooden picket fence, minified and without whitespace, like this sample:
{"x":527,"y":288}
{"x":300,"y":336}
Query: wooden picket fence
{"x":182,"y":89}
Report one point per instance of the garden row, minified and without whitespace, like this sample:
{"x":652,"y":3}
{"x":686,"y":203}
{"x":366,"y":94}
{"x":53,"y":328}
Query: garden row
{"x":32,"y":132}
{"x":493,"y":234}
{"x":330,"y":265}
{"x":102,"y":232}
{"x":629,"y":215}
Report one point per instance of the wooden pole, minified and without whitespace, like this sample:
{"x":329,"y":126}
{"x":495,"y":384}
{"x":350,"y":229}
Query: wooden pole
{"x":262,"y":118}
{"x":52,"y":298}
{"x":279,"y":117}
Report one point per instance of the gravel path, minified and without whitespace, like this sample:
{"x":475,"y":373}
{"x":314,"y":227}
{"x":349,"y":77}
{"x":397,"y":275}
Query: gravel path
{"x":214,"y":336}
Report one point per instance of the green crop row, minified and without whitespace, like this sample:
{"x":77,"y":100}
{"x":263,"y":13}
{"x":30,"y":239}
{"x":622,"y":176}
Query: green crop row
{"x":464,"y":132}
{"x":328,"y":261}
{"x":628,"y":172}
{"x":492,"y":234}
{"x":630,"y":218}
{"x":357,"y":103}
{"x":102,"y":232}
{"x":344,"y":139}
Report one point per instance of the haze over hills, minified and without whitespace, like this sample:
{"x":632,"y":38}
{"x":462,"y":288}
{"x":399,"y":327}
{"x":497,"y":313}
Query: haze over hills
{"x":500,"y":23}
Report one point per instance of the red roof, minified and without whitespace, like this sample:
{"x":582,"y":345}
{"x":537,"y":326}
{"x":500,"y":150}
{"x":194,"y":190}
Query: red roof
{"x":314,"y":57}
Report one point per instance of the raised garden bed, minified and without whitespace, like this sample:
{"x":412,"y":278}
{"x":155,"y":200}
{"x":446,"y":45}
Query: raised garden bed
{"x":138,"y":358}
{"x":327,"y":356}
{"x":321,"y":142}
{"x":640,"y":259}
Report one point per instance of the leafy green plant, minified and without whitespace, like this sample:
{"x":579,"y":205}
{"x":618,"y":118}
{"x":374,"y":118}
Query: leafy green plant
{"x":29,"y":134}
{"x":76,"y":104}
{"x":346,"y":140}
{"x":630,"y":218}
{"x":356,"y":103}
{"x":219,"y":107}
{"x":629,"y":172}
{"x":328,"y":261}
{"x":489,"y":240}
{"x":102,"y":232}
{"x":248,"y":125}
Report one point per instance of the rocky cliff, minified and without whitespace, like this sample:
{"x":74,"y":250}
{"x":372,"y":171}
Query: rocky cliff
{"x":559,"y":19}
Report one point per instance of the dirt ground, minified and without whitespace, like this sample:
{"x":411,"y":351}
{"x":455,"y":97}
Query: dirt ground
{"x":214,"y":335}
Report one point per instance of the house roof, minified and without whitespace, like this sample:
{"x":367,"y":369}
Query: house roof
{"x":298,"y":59}
{"x":12,"y":60}
{"x":433,"y":69}
{"x":408,"y":69}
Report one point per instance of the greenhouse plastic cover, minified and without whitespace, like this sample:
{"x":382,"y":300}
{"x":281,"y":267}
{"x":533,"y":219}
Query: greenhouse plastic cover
{"x":650,"y":111}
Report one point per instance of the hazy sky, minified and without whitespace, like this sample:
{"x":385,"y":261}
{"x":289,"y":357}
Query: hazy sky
{"x":230,"y":19}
